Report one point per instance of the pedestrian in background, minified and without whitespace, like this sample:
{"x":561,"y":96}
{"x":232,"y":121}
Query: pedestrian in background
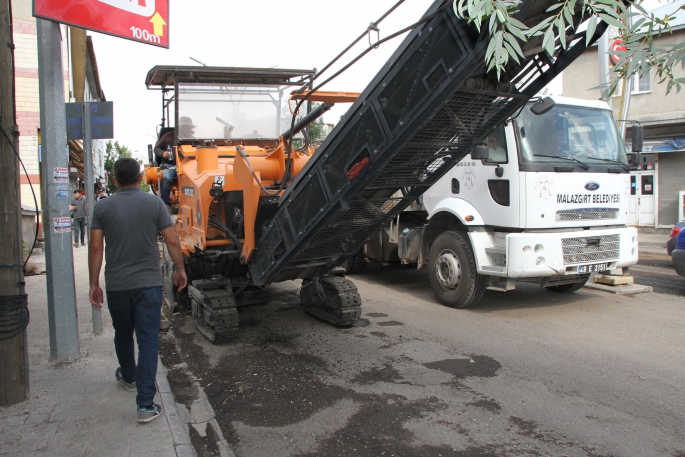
{"x":130,"y":221}
{"x":78,"y":206}
{"x":101,"y":195}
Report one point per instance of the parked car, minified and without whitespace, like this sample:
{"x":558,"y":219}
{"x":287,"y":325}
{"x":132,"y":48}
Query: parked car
{"x":670,"y":244}
{"x":678,"y":254}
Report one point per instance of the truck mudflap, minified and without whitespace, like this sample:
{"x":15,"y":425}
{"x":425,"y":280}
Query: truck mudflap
{"x":332,"y":299}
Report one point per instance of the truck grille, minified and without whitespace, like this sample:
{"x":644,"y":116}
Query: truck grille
{"x":590,"y":249}
{"x":593,"y":214}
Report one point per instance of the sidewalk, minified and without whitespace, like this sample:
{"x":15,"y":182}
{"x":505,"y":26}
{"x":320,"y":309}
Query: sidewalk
{"x":77,"y":408}
{"x":652,"y":242}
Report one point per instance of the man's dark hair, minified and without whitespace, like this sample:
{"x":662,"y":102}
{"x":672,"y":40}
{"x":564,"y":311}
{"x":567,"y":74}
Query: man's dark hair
{"x":127,"y":171}
{"x":77,"y":191}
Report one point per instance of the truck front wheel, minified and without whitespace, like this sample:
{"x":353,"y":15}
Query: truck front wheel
{"x":452,"y":271}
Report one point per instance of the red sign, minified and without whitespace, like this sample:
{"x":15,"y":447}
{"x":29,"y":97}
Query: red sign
{"x":616,"y":45}
{"x":145,"y":21}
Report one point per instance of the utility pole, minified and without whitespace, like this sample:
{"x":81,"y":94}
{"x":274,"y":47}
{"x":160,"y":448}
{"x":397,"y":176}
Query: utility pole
{"x":59,"y":256}
{"x":90,"y":194}
{"x":13,"y":304}
{"x":602,"y":52}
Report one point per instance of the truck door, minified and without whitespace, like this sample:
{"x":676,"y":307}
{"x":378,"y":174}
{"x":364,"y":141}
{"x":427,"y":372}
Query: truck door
{"x":492,"y":185}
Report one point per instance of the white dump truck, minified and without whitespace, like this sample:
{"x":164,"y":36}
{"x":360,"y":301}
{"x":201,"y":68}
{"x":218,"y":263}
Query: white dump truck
{"x":546,"y":202}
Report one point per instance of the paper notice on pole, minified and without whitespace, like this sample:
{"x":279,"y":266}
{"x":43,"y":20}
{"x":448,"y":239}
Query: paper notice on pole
{"x":61,"y":175}
{"x":61,"y":224}
{"x":62,"y":190}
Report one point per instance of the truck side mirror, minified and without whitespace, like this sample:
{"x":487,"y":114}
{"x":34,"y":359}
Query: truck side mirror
{"x":542,"y":106}
{"x":480,"y":152}
{"x":638,"y":134}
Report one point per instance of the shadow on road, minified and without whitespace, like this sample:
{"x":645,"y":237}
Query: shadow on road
{"x":406,"y":279}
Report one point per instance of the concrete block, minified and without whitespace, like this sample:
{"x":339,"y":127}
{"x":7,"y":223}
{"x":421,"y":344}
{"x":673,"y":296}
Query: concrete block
{"x":614,"y":280}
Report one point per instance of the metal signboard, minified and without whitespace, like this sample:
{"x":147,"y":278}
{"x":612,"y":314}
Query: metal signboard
{"x":146,"y":21}
{"x":101,"y":120}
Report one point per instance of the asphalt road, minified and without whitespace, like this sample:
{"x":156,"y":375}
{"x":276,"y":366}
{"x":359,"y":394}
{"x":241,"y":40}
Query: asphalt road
{"x":526,"y":373}
{"x":657,"y":271}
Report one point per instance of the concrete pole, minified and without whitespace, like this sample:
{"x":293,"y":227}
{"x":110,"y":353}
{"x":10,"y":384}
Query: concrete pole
{"x":90,"y":194}
{"x":59,"y":257}
{"x":602,"y":51}
{"x":13,"y":360}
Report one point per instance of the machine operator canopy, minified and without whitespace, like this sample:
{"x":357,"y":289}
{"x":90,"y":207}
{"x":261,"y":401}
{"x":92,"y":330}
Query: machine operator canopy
{"x":229,"y":103}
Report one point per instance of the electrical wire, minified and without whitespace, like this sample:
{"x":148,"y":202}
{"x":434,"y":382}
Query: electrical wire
{"x":35,"y":200}
{"x":221,"y":226}
{"x":14,"y":315}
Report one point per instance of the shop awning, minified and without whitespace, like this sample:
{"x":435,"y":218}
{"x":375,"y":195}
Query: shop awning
{"x":661,"y":145}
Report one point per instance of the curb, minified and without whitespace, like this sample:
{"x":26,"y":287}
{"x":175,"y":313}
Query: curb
{"x":179,"y":431}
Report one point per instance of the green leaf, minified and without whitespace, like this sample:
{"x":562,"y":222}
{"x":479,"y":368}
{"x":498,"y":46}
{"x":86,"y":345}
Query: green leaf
{"x":612,"y":21}
{"x":561,"y":27}
{"x":554,"y":7}
{"x":548,"y":41}
{"x":512,"y":52}
{"x":516,"y":32}
{"x":514,"y":44}
{"x":591,"y":26}
{"x":536,"y":29}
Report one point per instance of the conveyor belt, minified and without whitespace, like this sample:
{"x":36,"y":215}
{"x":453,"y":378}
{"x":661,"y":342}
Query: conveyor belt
{"x":423,"y":112}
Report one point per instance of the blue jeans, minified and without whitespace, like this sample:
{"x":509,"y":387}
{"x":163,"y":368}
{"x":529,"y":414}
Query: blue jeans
{"x":168,"y":176}
{"x":79,"y":226}
{"x":137,"y":310}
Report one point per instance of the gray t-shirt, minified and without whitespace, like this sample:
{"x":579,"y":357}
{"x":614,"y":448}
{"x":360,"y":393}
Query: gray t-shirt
{"x":80,"y":211}
{"x":131,"y":221}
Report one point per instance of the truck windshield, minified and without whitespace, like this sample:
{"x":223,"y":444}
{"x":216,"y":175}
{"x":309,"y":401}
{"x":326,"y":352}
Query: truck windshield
{"x":208,"y":111}
{"x":587,"y":135}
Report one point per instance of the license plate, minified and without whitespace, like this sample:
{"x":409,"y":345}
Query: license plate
{"x":584,"y":269}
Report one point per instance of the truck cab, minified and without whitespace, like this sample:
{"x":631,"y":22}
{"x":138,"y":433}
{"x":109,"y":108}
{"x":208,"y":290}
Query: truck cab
{"x":548,"y":204}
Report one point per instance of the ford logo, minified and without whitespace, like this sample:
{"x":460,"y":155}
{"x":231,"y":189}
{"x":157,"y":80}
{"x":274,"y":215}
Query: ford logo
{"x":592,"y":186}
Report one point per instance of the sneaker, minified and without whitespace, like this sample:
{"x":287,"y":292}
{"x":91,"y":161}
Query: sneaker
{"x":76,"y":245}
{"x":83,"y":244}
{"x":147,"y":414}
{"x":130,"y":386}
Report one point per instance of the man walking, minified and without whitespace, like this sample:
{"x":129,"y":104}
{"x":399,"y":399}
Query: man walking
{"x":78,"y":206}
{"x":130,"y":221}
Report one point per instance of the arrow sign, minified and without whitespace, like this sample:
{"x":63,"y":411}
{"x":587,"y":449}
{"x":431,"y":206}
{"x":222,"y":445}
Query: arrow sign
{"x":158,"y":24}
{"x":138,"y":20}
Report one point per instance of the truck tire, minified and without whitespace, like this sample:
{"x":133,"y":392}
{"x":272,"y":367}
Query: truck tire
{"x":567,"y":288}
{"x":355,"y":264}
{"x":452,"y":271}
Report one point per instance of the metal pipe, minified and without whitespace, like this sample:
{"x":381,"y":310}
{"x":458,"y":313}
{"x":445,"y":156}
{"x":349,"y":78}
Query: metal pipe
{"x":308,"y":119}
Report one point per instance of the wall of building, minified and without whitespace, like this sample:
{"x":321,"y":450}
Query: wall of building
{"x":27,"y":97}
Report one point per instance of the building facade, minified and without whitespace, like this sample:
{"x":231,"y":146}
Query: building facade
{"x":81,"y":83}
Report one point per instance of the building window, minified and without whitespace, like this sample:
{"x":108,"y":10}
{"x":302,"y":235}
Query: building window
{"x":642,"y":84}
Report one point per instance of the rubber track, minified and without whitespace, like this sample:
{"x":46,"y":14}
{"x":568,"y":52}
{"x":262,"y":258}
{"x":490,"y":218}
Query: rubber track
{"x":224,"y":321}
{"x":347,"y":301}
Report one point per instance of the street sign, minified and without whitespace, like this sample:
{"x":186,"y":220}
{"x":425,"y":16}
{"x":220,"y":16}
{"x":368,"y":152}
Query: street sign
{"x":101,"y":120}
{"x":616,"y":45}
{"x":145,"y":21}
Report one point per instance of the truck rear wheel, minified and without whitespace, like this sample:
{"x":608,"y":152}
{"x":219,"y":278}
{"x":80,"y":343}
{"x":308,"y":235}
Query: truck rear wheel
{"x":355,"y":264}
{"x":452,"y":271}
{"x":567,"y":288}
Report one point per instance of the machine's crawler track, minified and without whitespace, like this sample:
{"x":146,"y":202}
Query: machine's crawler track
{"x":214,"y":311}
{"x":332,"y":299}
